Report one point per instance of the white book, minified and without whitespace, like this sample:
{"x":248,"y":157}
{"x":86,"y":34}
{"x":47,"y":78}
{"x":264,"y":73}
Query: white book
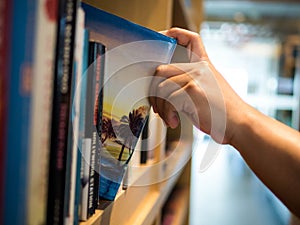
{"x":41,"y":109}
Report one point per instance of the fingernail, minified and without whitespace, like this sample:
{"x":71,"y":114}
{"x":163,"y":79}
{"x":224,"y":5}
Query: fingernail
{"x":174,"y":121}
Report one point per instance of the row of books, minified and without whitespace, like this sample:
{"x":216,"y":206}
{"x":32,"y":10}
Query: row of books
{"x":74,"y":89}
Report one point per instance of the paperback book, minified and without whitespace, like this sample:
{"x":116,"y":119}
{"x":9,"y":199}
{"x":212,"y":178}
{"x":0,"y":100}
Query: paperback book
{"x":133,"y":53}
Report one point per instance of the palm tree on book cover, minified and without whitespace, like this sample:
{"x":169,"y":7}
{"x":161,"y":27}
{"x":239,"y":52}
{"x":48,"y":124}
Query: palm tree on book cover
{"x":108,"y":130}
{"x":129,"y":130}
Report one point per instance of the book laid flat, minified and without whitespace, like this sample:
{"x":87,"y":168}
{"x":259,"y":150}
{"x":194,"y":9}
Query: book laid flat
{"x":133,"y":53}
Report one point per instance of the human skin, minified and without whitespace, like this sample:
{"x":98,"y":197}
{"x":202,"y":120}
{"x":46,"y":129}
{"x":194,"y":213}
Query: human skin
{"x":270,"y":148}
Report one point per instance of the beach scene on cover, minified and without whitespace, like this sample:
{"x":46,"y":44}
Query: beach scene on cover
{"x":124,"y":114}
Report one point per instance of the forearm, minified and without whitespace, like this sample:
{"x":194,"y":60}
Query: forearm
{"x":272,"y":150}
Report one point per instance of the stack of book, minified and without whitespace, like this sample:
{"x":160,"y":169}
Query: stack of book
{"x":73,"y":104}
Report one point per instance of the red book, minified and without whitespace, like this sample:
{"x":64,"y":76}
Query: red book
{"x":5,"y":25}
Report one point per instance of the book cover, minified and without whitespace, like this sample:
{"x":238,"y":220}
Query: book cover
{"x":63,"y":72}
{"x":133,"y":53}
{"x":40,"y":112}
{"x":18,"y":110}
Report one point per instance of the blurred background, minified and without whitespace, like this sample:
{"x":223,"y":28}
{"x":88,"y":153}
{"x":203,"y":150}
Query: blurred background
{"x":255,"y":45}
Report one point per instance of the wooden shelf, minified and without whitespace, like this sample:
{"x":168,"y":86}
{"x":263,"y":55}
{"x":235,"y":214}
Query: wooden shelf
{"x":187,"y":15}
{"x":154,"y":14}
{"x":139,"y":205}
{"x":176,"y":208}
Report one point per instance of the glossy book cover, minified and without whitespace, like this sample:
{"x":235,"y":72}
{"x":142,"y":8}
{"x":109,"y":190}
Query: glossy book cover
{"x":133,"y":53}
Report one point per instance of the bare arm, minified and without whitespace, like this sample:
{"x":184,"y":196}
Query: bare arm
{"x":271,"y":149}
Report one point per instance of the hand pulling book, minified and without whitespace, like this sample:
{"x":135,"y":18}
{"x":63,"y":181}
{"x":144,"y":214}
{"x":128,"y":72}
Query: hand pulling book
{"x":133,"y":53}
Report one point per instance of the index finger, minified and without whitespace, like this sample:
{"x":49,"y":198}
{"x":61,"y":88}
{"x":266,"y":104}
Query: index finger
{"x":189,"y":39}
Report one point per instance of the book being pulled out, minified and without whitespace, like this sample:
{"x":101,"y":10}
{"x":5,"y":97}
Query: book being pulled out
{"x":132,"y":54}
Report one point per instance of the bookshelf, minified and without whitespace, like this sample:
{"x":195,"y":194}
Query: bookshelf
{"x":157,"y":17}
{"x":143,"y":201}
{"x":143,"y":204}
{"x":157,"y":14}
{"x":43,"y":170}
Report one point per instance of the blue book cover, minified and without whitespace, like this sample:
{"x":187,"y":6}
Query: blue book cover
{"x":133,"y":53}
{"x":19,"y":101}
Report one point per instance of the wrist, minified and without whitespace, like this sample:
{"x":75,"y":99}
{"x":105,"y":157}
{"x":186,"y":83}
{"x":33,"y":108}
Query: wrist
{"x":240,"y":124}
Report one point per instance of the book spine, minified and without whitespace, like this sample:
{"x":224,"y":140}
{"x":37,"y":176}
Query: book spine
{"x":96,"y":73}
{"x":74,"y":123}
{"x":67,"y":12}
{"x":18,"y":106}
{"x":79,"y":206}
{"x":43,"y":72}
{"x":84,"y":177}
{"x":5,"y":26}
{"x":91,"y":209}
{"x":100,"y":66}
{"x":88,"y":135}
